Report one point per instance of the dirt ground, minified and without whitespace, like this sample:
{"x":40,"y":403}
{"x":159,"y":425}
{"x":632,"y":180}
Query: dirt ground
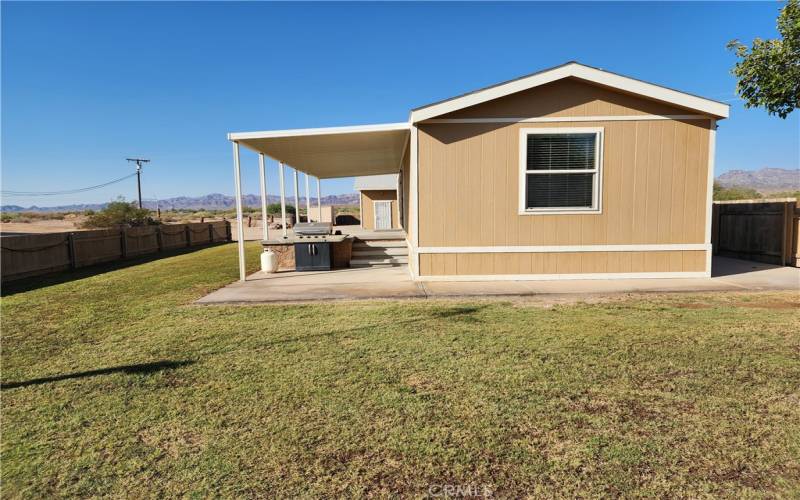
{"x":73,"y":224}
{"x":40,"y":226}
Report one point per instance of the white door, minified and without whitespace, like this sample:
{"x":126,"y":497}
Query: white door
{"x":383,"y":214}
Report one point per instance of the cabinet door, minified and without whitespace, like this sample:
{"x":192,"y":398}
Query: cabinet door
{"x":303,"y":257}
{"x":321,"y":256}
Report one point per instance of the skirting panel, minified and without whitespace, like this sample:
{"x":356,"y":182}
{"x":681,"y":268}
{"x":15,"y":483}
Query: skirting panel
{"x":562,"y":263}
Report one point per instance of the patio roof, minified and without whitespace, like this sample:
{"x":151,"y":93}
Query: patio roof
{"x":333,"y":152}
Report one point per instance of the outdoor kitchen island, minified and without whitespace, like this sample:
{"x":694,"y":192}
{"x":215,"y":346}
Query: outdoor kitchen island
{"x":311,"y":248}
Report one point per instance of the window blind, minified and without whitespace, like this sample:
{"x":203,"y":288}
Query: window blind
{"x":560,"y":190}
{"x":560,"y":152}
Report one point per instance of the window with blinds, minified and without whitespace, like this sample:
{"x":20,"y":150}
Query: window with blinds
{"x":561,"y":170}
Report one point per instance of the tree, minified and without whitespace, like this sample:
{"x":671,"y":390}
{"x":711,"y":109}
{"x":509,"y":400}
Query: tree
{"x":120,"y":213}
{"x":769,"y":72}
{"x":275,"y":208}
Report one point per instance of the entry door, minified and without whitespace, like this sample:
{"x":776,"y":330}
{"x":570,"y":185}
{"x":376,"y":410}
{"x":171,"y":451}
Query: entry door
{"x":383,"y":215}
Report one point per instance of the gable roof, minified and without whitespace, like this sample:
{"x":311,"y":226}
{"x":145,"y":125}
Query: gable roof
{"x":575,"y":70}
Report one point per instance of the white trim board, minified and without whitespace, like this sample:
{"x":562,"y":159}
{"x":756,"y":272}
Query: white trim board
{"x":559,"y":277}
{"x":573,"y":70}
{"x":413,"y":190}
{"x":597,"y":172}
{"x":569,"y":248}
{"x":299,"y":132}
{"x":557,"y":119}
{"x":360,"y":210}
{"x":712,"y":139}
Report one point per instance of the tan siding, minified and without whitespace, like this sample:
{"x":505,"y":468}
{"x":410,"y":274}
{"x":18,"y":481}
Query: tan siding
{"x":485,"y":197}
{"x":622,"y":205}
{"x":665,"y":174}
{"x":368,"y":208}
{"x":366,"y":211}
{"x":569,"y":97}
{"x":654,"y":187}
{"x":425,"y":178}
{"x":638,"y":202}
{"x":562,"y":263}
{"x":653,"y":191}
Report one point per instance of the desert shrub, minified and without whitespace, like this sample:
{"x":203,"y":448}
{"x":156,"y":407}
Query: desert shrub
{"x":23,"y":217}
{"x":275,"y":209}
{"x":786,"y":194}
{"x":120,"y":213}
{"x":735,"y":193}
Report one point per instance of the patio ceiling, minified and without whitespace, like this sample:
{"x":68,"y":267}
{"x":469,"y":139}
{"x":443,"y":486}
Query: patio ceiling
{"x":332,"y":152}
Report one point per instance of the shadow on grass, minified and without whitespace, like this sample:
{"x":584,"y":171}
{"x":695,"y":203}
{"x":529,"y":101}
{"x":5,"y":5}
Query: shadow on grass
{"x":457,"y":312}
{"x":144,"y":368}
{"x":35,"y":282}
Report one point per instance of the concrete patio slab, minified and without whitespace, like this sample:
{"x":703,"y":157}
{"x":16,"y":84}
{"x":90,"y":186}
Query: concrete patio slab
{"x":355,"y":283}
{"x":755,"y":275}
{"x":395,"y":282}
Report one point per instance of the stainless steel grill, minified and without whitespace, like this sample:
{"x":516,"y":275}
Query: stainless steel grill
{"x":313,"y":228}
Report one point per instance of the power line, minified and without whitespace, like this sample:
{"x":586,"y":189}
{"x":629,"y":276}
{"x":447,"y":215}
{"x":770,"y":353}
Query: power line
{"x":69,"y":191}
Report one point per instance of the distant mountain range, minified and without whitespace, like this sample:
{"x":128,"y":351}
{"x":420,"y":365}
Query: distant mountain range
{"x":764,"y":180}
{"x":214,"y":201}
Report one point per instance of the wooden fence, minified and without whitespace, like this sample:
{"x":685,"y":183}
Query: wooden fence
{"x":36,"y":254}
{"x":761,"y":230}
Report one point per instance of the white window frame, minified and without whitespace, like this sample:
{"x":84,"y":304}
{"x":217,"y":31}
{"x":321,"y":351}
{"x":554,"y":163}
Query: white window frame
{"x":597,"y":185}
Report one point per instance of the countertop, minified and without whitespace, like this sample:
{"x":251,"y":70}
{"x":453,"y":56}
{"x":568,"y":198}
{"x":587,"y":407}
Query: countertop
{"x":290,"y":240}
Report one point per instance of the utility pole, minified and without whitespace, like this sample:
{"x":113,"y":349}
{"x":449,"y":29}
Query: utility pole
{"x":139,"y":162}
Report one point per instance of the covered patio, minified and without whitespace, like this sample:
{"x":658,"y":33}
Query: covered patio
{"x":321,"y":153}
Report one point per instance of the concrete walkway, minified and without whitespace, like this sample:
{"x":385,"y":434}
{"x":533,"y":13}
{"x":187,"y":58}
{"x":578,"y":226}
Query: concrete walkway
{"x":395,"y":282}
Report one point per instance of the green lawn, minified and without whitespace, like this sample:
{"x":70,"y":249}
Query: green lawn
{"x":650,"y":396}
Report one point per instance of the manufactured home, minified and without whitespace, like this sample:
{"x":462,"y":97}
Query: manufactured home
{"x":568,"y":173}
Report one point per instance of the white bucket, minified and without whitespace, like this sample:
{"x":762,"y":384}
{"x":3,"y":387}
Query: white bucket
{"x":269,"y":261}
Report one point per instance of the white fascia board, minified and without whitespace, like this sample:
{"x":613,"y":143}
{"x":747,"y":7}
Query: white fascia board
{"x":569,"y":248}
{"x":653,"y":91}
{"x":299,"y":132}
{"x":559,"y":277}
{"x":489,"y":94}
{"x":576,"y":70}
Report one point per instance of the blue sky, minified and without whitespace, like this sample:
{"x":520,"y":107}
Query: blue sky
{"x":85,"y":85}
